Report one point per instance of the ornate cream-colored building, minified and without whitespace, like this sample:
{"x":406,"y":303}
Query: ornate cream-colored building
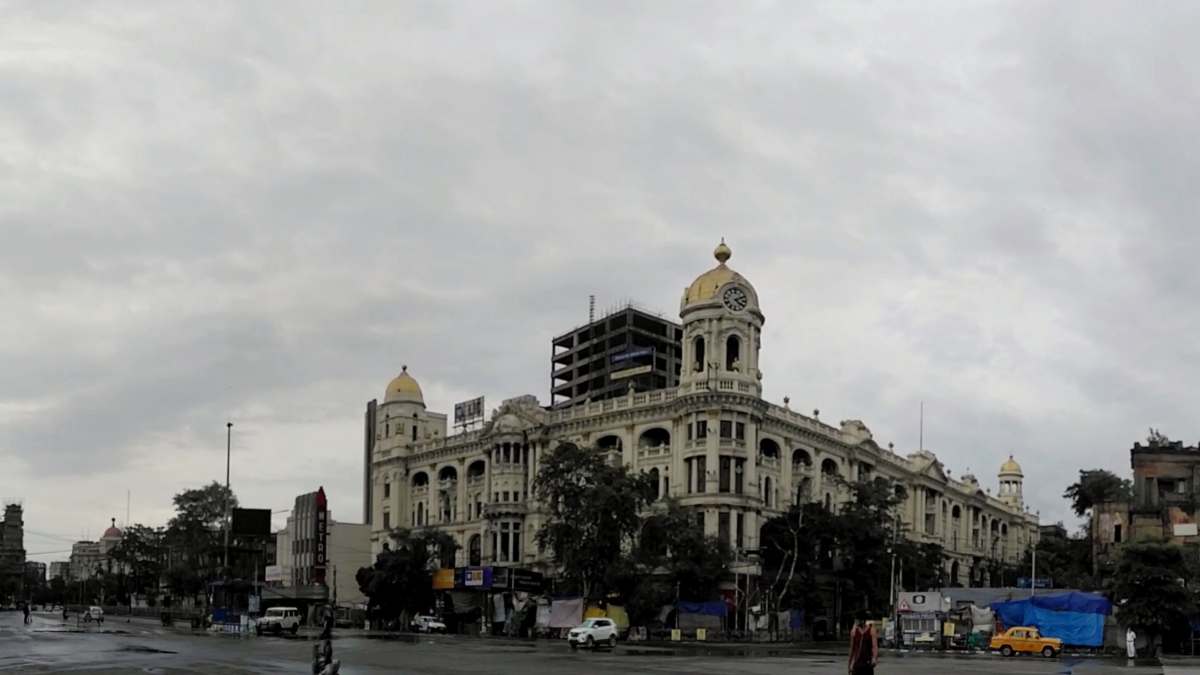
{"x":713,"y":443}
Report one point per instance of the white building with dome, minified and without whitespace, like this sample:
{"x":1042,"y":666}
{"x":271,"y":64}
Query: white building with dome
{"x":712,"y":442}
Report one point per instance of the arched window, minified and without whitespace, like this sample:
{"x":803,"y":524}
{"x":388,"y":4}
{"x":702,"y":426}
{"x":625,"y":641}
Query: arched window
{"x":420,"y":514}
{"x":654,"y":438}
{"x":657,"y":484}
{"x":611,"y":442}
{"x":733,"y":353}
{"x":448,"y":473}
{"x":829,"y":468}
{"x":801,"y":461}
{"x":769,"y":448}
{"x":956,"y":512}
{"x":767,"y":491}
{"x":476,"y":469}
{"x":475,"y":551}
{"x":420,"y":479}
{"x":698,"y":353}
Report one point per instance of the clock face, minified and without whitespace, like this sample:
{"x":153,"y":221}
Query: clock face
{"x":735,"y":298}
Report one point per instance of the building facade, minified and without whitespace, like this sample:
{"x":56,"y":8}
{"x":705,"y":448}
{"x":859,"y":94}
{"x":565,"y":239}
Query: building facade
{"x":60,"y":569}
{"x":629,"y":349}
{"x":12,"y":549}
{"x":712,"y":442}
{"x":1164,"y":504}
{"x":304,"y":558}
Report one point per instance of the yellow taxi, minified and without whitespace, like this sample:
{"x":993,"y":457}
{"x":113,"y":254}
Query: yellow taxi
{"x":1025,"y":639}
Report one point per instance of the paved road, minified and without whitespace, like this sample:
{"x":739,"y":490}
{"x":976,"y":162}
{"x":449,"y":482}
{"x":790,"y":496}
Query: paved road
{"x":49,"y":646}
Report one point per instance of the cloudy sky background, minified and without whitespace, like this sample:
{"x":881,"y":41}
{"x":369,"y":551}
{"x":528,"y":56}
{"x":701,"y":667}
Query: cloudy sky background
{"x":259,"y":212}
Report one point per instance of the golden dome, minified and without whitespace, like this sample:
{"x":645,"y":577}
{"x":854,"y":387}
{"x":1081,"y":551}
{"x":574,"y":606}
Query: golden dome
{"x":404,"y":388}
{"x":1011,"y":467}
{"x":705,"y":287}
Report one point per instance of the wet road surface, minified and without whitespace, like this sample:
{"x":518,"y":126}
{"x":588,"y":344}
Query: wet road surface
{"x":141,"y":646}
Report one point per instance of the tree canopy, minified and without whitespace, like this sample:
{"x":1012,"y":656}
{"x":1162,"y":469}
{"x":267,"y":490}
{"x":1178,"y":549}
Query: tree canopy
{"x":400,"y":583}
{"x":594,"y":510}
{"x":1149,"y":590}
{"x":1096,"y":486}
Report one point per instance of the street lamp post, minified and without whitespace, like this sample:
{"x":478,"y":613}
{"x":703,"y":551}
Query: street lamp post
{"x":228,"y":439}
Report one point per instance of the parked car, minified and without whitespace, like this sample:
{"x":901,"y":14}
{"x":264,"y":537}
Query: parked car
{"x":592,"y":633}
{"x":277,"y":620}
{"x":93,"y":613}
{"x":427,"y":624}
{"x":1025,"y":639}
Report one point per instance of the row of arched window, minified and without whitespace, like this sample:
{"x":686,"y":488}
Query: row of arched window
{"x":733,"y":354}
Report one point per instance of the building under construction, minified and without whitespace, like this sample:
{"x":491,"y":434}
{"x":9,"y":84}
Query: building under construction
{"x":605,"y":358}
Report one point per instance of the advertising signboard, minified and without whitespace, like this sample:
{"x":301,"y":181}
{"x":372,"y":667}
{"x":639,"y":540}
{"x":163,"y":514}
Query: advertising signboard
{"x":468,"y":411}
{"x":477,"y":577}
{"x":631,"y":355}
{"x":251,"y":522}
{"x":524,"y":580}
{"x":1042,"y":582}
{"x":630,"y":372}
{"x":321,"y":528}
{"x":919,"y":602}
{"x":443,"y":579}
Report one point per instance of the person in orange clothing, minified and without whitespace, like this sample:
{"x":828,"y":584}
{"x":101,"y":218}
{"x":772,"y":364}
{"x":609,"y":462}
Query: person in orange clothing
{"x":864,"y":647}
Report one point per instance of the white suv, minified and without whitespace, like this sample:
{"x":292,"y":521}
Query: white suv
{"x":592,"y":633}
{"x":93,"y":613}
{"x":278,"y":619}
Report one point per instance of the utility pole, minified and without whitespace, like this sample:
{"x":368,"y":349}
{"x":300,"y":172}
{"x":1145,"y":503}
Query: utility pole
{"x":228,"y":439}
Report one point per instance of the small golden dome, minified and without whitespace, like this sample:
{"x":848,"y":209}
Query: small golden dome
{"x":1011,"y":468}
{"x":722,"y":252}
{"x":705,"y":287}
{"x":404,"y":389}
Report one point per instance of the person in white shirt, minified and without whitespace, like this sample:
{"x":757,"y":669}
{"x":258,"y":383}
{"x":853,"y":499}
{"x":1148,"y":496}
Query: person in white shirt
{"x":1131,"y":643}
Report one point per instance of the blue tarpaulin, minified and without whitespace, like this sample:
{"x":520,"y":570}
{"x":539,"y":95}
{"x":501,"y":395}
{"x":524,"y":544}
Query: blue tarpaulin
{"x":714,"y":608}
{"x":1074,"y":618}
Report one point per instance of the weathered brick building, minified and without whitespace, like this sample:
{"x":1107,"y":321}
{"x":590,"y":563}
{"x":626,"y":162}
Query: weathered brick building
{"x":1163,"y":506}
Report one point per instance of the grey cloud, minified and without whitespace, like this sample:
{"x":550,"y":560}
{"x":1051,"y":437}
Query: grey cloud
{"x":232,"y":211}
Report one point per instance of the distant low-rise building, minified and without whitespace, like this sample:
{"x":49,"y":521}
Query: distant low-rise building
{"x":318,"y":556}
{"x":86,"y":559}
{"x":35,"y":575}
{"x":60,"y":569}
{"x":1166,"y":491}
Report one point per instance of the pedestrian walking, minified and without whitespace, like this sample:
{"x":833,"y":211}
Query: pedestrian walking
{"x":864,"y":647}
{"x":1131,"y":643}
{"x":25,"y":609}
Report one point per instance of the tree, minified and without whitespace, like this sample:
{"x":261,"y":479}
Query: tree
{"x":850,"y":549}
{"x":400,"y":583}
{"x":593,"y":514}
{"x":1149,"y":591}
{"x":1096,"y":486}
{"x":193,"y":537}
{"x":140,"y":554}
{"x":672,"y":559}
{"x":1156,"y":438}
{"x":1065,"y":561}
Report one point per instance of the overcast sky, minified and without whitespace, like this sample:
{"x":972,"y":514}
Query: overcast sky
{"x":259,"y":211}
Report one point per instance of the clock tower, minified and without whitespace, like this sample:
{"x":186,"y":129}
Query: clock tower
{"x":722,"y":329}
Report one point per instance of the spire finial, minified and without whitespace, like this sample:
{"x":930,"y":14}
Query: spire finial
{"x":404,"y":368}
{"x":722,"y":252}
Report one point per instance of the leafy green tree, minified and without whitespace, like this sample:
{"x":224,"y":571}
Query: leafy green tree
{"x":593,"y":515}
{"x":1096,"y":486}
{"x":193,"y":537}
{"x":400,"y":583}
{"x":672,"y":559}
{"x":1149,"y":591}
{"x":849,"y":548}
{"x":1066,"y":561}
{"x":140,"y":554}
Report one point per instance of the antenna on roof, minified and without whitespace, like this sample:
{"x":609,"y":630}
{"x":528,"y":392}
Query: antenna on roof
{"x":921,"y":442}
{"x":591,"y":308}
